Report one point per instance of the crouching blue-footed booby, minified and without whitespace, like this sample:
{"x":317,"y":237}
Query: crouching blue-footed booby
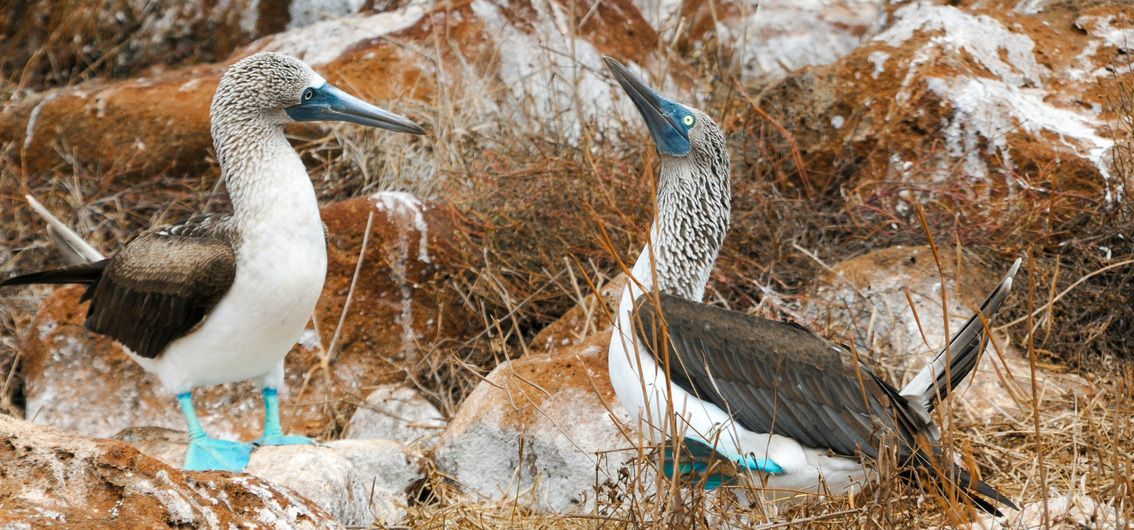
{"x":218,"y":299}
{"x":786,"y":406}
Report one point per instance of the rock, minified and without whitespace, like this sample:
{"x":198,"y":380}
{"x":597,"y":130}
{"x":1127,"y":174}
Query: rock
{"x":358,"y":482}
{"x":863,"y":300}
{"x":167,"y":445}
{"x":986,"y":103}
{"x":539,"y":428}
{"x":402,"y":306}
{"x":769,"y":39}
{"x":398,"y":413}
{"x":140,"y":126}
{"x":52,"y":478}
{"x":1075,"y":510}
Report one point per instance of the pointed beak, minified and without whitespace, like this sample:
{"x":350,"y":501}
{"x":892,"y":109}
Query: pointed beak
{"x":328,"y":103}
{"x":658,"y":112}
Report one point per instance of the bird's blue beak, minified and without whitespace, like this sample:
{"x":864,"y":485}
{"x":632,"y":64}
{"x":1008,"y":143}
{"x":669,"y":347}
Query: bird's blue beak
{"x":663,"y":117}
{"x":328,"y":103}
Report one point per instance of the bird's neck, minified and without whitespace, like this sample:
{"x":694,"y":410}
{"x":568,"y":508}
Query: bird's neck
{"x":265,"y":177}
{"x":693,"y":205}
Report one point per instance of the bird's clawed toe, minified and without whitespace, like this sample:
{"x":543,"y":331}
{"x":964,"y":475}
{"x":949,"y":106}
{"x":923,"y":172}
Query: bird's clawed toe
{"x":210,"y":454}
{"x":282,"y":439}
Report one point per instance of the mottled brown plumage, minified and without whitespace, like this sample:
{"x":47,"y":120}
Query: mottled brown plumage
{"x":161,"y":285}
{"x":157,"y":288}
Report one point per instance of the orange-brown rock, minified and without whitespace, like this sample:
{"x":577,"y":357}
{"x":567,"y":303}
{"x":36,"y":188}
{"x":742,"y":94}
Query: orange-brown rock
{"x":401,"y":308}
{"x":979,"y":102}
{"x":142,"y":126}
{"x":49,"y":478}
{"x":540,"y":428}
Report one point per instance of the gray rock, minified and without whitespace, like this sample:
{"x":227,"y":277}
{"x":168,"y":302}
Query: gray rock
{"x":863,"y":300}
{"x":399,"y":413}
{"x":539,"y":429}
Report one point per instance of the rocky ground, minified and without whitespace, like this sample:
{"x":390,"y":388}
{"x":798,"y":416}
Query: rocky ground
{"x":886,"y":155}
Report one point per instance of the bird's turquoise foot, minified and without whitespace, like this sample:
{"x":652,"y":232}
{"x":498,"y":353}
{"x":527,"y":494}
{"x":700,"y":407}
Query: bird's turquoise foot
{"x":698,"y":460}
{"x":208,"y":454}
{"x":273,"y":434}
{"x":283,"y":439}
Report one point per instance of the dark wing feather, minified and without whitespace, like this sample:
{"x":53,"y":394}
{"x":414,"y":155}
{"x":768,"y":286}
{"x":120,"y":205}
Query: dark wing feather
{"x":775,"y":377}
{"x":162,"y":284}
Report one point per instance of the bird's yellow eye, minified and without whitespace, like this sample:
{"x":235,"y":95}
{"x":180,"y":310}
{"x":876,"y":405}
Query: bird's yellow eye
{"x":308,"y":94}
{"x":687,"y":120}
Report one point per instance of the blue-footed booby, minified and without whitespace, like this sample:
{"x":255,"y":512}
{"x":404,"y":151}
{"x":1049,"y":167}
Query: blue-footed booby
{"x":788,"y":407}
{"x":222,"y":298}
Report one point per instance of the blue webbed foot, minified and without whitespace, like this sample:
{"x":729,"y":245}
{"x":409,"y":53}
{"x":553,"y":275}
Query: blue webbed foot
{"x":283,"y":439}
{"x":273,"y":434}
{"x":698,"y":458}
{"x":206,"y":454}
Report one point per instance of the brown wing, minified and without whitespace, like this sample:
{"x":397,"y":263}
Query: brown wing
{"x":162,"y":284}
{"x":774,"y":377}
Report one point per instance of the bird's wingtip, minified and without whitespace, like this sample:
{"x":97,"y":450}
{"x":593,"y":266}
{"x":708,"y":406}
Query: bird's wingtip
{"x":1015,"y":267}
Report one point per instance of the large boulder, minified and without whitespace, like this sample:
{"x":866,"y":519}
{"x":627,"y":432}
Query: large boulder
{"x":540,"y":428}
{"x":401,"y":308}
{"x":49,"y":478}
{"x":977,"y":102}
{"x":768,"y":39}
{"x":863,"y":300}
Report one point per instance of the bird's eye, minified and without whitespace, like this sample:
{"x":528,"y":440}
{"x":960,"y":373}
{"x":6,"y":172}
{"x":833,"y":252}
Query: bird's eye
{"x":687,"y":120}
{"x":308,"y":94}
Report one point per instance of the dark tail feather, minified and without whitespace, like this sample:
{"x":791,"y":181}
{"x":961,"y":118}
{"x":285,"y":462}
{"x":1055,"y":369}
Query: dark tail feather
{"x":934,"y":382}
{"x":978,"y":491}
{"x":945,"y":475}
{"x":87,"y":274}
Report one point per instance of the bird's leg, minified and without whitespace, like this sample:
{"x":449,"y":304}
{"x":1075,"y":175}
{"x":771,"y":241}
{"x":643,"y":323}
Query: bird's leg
{"x":207,"y":453}
{"x":273,"y":435}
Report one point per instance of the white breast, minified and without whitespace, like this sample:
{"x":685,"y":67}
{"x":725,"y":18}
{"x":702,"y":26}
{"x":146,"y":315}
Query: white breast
{"x":281,"y":266}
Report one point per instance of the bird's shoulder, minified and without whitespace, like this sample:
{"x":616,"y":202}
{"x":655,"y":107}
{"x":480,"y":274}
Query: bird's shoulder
{"x":194,"y":257}
{"x":204,"y":226}
{"x":744,"y":334}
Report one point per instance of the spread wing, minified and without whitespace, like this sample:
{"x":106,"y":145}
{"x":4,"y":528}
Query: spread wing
{"x":162,"y":284}
{"x":774,"y":377}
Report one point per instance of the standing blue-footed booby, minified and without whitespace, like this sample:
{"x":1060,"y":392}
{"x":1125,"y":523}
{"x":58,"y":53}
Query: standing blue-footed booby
{"x":771,"y":397}
{"x":218,"y":299}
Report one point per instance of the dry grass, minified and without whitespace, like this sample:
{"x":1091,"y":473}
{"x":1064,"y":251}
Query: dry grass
{"x":53,"y":43}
